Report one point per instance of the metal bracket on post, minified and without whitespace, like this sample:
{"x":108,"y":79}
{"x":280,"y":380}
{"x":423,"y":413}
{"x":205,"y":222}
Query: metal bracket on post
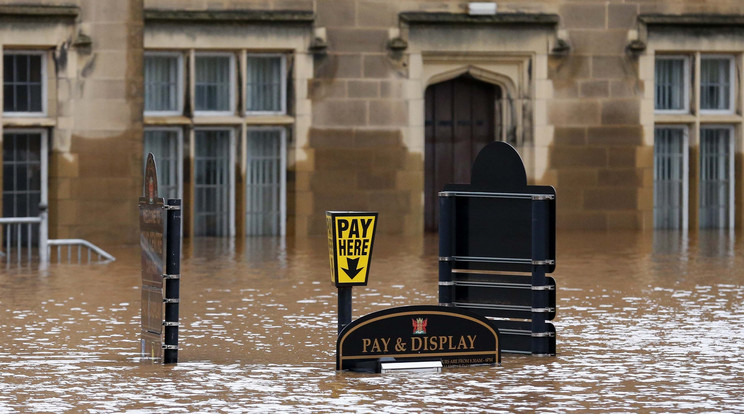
{"x":446,"y":241}
{"x":540,"y":261}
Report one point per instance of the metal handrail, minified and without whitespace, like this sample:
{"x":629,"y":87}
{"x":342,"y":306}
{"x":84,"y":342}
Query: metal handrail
{"x":485,"y":194}
{"x":45,"y":245}
{"x":17,"y":223}
{"x":80,"y":243}
{"x":19,"y":220}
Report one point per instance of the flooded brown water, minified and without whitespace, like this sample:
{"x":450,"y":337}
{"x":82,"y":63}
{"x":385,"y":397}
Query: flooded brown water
{"x":647,"y":322}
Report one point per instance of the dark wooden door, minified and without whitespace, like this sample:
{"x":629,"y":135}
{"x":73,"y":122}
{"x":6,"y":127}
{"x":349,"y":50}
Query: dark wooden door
{"x":460,"y":121}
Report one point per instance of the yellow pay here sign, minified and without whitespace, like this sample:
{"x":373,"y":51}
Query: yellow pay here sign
{"x":350,"y":238}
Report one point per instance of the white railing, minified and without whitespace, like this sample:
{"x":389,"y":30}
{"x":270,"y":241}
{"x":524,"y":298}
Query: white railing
{"x":14,"y":229}
{"x":18,"y":237}
{"x":81,"y":245}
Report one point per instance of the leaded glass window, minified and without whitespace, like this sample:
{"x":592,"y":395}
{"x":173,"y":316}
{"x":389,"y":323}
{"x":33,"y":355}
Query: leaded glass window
{"x":162,"y":83}
{"x":215,"y":85}
{"x":265,"y":84}
{"x":671,"y":84}
{"x":670,"y":178}
{"x":265,"y":182}
{"x":716,"y":177}
{"x":715,"y":83}
{"x":23,"y":82}
{"x":164,"y":144}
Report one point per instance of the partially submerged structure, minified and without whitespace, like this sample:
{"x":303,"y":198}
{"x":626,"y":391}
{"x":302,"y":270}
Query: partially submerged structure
{"x":265,"y":114}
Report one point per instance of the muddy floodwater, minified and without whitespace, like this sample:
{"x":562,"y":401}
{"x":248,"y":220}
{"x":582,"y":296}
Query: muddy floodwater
{"x":646,"y":322}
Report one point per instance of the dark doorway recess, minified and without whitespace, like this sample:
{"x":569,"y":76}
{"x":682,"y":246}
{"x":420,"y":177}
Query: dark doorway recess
{"x":461,"y":118}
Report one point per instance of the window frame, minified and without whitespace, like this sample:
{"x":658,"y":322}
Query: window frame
{"x":687,"y":80}
{"x":685,"y":171}
{"x":232,"y":179}
{"x":731,"y":171}
{"x":282,"y":171}
{"x":44,"y":149}
{"x":44,"y":82}
{"x":179,"y":152}
{"x":231,"y":89}
{"x":179,"y":82}
{"x":731,"y":89}
{"x":283,"y":85}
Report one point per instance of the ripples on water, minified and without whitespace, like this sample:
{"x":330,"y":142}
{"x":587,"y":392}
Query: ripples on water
{"x":646,"y":322}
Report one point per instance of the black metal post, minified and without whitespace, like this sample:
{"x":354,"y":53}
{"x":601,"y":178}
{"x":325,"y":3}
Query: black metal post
{"x":172,"y":280}
{"x":540,"y":231}
{"x":344,"y":307}
{"x":446,"y":249}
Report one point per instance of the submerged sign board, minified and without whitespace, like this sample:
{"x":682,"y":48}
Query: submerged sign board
{"x":152,"y":243}
{"x":160,"y":243}
{"x":498,"y":224}
{"x":351,"y":235}
{"x":417,"y":333}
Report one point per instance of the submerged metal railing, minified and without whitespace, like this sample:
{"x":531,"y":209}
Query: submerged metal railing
{"x":22,"y":235}
{"x":18,"y":235}
{"x":82,"y":245}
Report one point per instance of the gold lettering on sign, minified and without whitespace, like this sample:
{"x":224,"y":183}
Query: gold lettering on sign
{"x":416,"y":343}
{"x":472,"y":341}
{"x":435,"y":343}
{"x":442,"y":343}
{"x":375,"y":345}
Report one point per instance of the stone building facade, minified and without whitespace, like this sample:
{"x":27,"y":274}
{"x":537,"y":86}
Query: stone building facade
{"x":266,"y":113}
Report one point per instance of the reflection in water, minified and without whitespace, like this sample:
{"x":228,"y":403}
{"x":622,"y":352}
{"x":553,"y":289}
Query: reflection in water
{"x":646,"y":322}
{"x":672,"y":242}
{"x":716,"y":243}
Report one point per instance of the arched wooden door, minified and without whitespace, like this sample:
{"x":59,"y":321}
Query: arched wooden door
{"x":461,"y":118}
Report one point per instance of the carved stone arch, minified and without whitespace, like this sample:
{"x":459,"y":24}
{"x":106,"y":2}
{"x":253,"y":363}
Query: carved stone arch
{"x":506,"y":83}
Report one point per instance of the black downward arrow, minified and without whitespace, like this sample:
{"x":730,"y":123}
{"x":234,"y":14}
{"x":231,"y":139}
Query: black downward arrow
{"x":352,"y":271}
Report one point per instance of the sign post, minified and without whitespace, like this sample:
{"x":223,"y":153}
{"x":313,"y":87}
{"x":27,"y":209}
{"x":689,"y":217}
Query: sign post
{"x":160,"y":242}
{"x":351,"y":235}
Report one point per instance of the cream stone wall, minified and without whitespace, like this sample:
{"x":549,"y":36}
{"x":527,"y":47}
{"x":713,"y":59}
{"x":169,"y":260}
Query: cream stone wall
{"x":581,"y":87}
{"x":93,"y":113}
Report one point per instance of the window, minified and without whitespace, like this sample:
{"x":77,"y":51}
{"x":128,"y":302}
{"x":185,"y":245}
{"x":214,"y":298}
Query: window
{"x":24,"y":83}
{"x":22,"y":172}
{"x":213,"y":182}
{"x":716,"y":84}
{"x":165,"y":145}
{"x":24,"y":179}
{"x":163,"y":80}
{"x":213,"y":157}
{"x":265,"y":84}
{"x":671,"y":84}
{"x":214,"y":83}
{"x":265,"y":182}
{"x":670,"y":177}
{"x":716,"y":177}
{"x":714,"y":190}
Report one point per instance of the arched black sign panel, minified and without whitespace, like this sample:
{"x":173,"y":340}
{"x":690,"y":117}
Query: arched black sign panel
{"x":497,"y":224}
{"x":498,"y":167}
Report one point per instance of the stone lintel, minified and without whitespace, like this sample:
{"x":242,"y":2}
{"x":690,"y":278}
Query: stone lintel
{"x":442,"y":18}
{"x":230,"y":16}
{"x":39,"y":12}
{"x":704,"y":20}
